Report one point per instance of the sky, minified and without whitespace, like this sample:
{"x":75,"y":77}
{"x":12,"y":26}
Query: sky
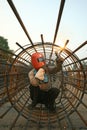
{"x":40,"y":17}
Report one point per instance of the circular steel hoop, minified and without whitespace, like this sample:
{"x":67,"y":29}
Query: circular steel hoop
{"x":71,"y":81}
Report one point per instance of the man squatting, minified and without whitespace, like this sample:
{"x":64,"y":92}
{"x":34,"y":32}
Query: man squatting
{"x":40,"y":88}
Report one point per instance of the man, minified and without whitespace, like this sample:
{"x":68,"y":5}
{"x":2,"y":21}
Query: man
{"x":40,"y":87}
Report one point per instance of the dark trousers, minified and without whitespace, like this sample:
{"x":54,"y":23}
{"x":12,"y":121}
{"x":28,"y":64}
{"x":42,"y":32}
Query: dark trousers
{"x":44,"y":97}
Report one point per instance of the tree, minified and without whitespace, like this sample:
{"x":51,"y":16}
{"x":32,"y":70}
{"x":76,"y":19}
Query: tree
{"x":84,"y":63}
{"x":4,"y":43}
{"x":5,"y":52}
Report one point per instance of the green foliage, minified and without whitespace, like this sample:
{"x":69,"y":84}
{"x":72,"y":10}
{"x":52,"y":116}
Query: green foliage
{"x":4,"y":43}
{"x":5,"y":52}
{"x":84,"y":64}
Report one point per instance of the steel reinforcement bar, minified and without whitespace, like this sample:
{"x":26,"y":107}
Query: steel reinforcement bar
{"x":14,"y":88}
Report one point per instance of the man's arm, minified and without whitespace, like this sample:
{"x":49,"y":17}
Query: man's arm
{"x":56,"y":67}
{"x":34,"y":81}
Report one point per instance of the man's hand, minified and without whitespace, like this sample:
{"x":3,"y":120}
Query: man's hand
{"x":58,"y":58}
{"x":40,"y":74}
{"x":59,"y":61}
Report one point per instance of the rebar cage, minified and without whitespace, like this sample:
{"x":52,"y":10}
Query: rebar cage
{"x":14,"y":88}
{"x":71,"y":104}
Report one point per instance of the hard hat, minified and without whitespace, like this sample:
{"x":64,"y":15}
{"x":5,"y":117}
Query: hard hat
{"x":37,"y":60}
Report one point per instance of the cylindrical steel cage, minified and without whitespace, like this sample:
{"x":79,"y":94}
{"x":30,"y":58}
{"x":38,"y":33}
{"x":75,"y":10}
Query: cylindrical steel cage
{"x":71,"y":103}
{"x":73,"y":89}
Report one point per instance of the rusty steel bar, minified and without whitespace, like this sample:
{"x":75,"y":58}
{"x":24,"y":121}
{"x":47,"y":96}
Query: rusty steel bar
{"x":18,"y":115}
{"x":57,"y":25}
{"x":80,"y":101}
{"x":59,"y":18}
{"x":67,"y":41}
{"x":83,"y":44}
{"x":19,"y":82}
{"x":20,"y":20}
{"x":82,"y":118}
{"x":43,"y":45}
{"x":13,"y":104}
{"x":73,"y":88}
{"x":22,"y":48}
{"x":12,"y":54}
{"x":67,"y":118}
{"x":42,"y":38}
{"x":28,"y":119}
{"x":1,"y":116}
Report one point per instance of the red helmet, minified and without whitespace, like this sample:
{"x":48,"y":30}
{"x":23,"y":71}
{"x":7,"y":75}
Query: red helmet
{"x":37,"y":60}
